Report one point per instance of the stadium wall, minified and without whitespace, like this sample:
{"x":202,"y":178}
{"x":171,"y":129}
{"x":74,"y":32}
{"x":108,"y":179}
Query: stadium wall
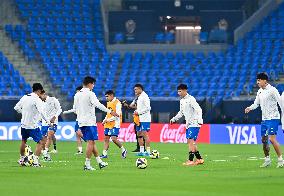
{"x":165,"y":133}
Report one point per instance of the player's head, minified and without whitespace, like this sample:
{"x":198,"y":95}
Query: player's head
{"x":109,"y":95}
{"x":37,"y":88}
{"x":43,"y":95}
{"x":261,"y":79}
{"x":89,"y":82}
{"x":182,"y":90}
{"x":78,"y":88}
{"x":138,"y":89}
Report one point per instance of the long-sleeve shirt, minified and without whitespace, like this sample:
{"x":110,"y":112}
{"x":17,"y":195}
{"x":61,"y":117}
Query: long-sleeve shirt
{"x":267,"y":99}
{"x":32,"y":109}
{"x":85,"y":104}
{"x":190,"y":109}
{"x":144,"y":107}
{"x":51,"y":108}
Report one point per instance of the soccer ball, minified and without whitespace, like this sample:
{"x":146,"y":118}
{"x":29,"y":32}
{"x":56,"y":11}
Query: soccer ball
{"x":28,"y":160}
{"x":155,"y":154}
{"x":28,"y":150}
{"x":141,"y":163}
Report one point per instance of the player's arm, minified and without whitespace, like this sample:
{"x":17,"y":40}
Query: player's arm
{"x":254,"y":105}
{"x":94,"y":100}
{"x":19,"y":106}
{"x":178,"y":116}
{"x":69,"y":111}
{"x":193,"y":103}
{"x":130,"y":106}
{"x":278,"y":99}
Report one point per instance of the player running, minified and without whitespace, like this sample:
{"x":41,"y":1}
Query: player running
{"x":192,"y":112}
{"x":112,"y":124}
{"x":267,"y":98}
{"x":85,"y":102}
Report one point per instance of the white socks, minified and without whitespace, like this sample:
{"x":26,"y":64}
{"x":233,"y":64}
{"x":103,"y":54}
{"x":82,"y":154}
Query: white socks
{"x":142,"y":149}
{"x":122,"y":149}
{"x":148,"y":150}
{"x":267,"y":159}
{"x":105,"y":152}
{"x":88,"y":162}
{"x":280,"y":158}
{"x":99,"y":160}
{"x":80,"y":149}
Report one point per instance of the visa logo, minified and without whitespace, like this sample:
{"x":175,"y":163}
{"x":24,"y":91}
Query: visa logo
{"x":242,"y":134}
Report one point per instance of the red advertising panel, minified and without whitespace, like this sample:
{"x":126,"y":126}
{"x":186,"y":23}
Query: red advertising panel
{"x":165,"y":133}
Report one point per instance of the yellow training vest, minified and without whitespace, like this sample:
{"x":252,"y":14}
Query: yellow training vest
{"x":136,"y":120}
{"x":112,"y":106}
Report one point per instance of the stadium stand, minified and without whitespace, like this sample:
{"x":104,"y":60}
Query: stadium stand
{"x":67,"y":36}
{"x":11,"y":82}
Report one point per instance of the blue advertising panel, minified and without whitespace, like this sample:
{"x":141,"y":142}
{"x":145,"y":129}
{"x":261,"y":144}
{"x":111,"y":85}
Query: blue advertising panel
{"x":239,"y":134}
{"x":12,"y":131}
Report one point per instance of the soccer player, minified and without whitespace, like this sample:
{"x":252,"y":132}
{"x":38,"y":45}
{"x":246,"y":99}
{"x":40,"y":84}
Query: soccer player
{"x":190,"y":109}
{"x":52,"y":109}
{"x":267,"y":98}
{"x":136,"y":122}
{"x":85,"y":102}
{"x":112,"y":124}
{"x":142,"y":117}
{"x":31,"y":108}
{"x":77,"y":128}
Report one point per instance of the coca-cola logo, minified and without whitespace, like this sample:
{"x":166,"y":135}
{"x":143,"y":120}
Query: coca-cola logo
{"x":172,"y":135}
{"x":127,"y":134}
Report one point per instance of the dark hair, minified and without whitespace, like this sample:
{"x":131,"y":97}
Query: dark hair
{"x":182,"y":87}
{"x":89,"y":80}
{"x":109,"y":92}
{"x":42,"y":92}
{"x":37,"y":87}
{"x":262,"y":76}
{"x":139,"y":86}
{"x":79,"y":88}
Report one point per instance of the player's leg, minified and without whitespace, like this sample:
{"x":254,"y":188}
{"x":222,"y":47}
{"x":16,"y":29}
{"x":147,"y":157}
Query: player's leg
{"x":46,"y":154}
{"x":147,"y":142}
{"x":106,"y":146}
{"x":98,"y":159}
{"x":38,"y":138}
{"x":79,"y":135}
{"x":137,"y":142}
{"x":265,"y":144}
{"x":141,"y":143}
{"x":191,"y":135}
{"x":89,"y":152}
{"x":22,"y":151}
{"x":25,"y":136}
{"x":119,"y":144}
{"x":276,"y":146}
{"x":54,"y":144}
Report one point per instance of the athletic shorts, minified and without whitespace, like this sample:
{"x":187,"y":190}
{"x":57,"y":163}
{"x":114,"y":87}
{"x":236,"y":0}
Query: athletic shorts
{"x":33,"y":133}
{"x":269,"y":127}
{"x":144,"y":126}
{"x":45,"y":129}
{"x":112,"y":132}
{"x":89,"y":133}
{"x":192,"y":133}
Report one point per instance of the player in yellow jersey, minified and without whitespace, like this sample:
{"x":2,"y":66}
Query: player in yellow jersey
{"x":112,"y":124}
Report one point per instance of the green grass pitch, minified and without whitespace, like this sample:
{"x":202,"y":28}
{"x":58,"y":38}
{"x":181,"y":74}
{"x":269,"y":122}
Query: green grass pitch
{"x":228,"y":170}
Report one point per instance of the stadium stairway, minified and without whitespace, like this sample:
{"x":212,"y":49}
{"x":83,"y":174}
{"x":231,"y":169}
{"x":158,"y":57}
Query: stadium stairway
{"x":33,"y":71}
